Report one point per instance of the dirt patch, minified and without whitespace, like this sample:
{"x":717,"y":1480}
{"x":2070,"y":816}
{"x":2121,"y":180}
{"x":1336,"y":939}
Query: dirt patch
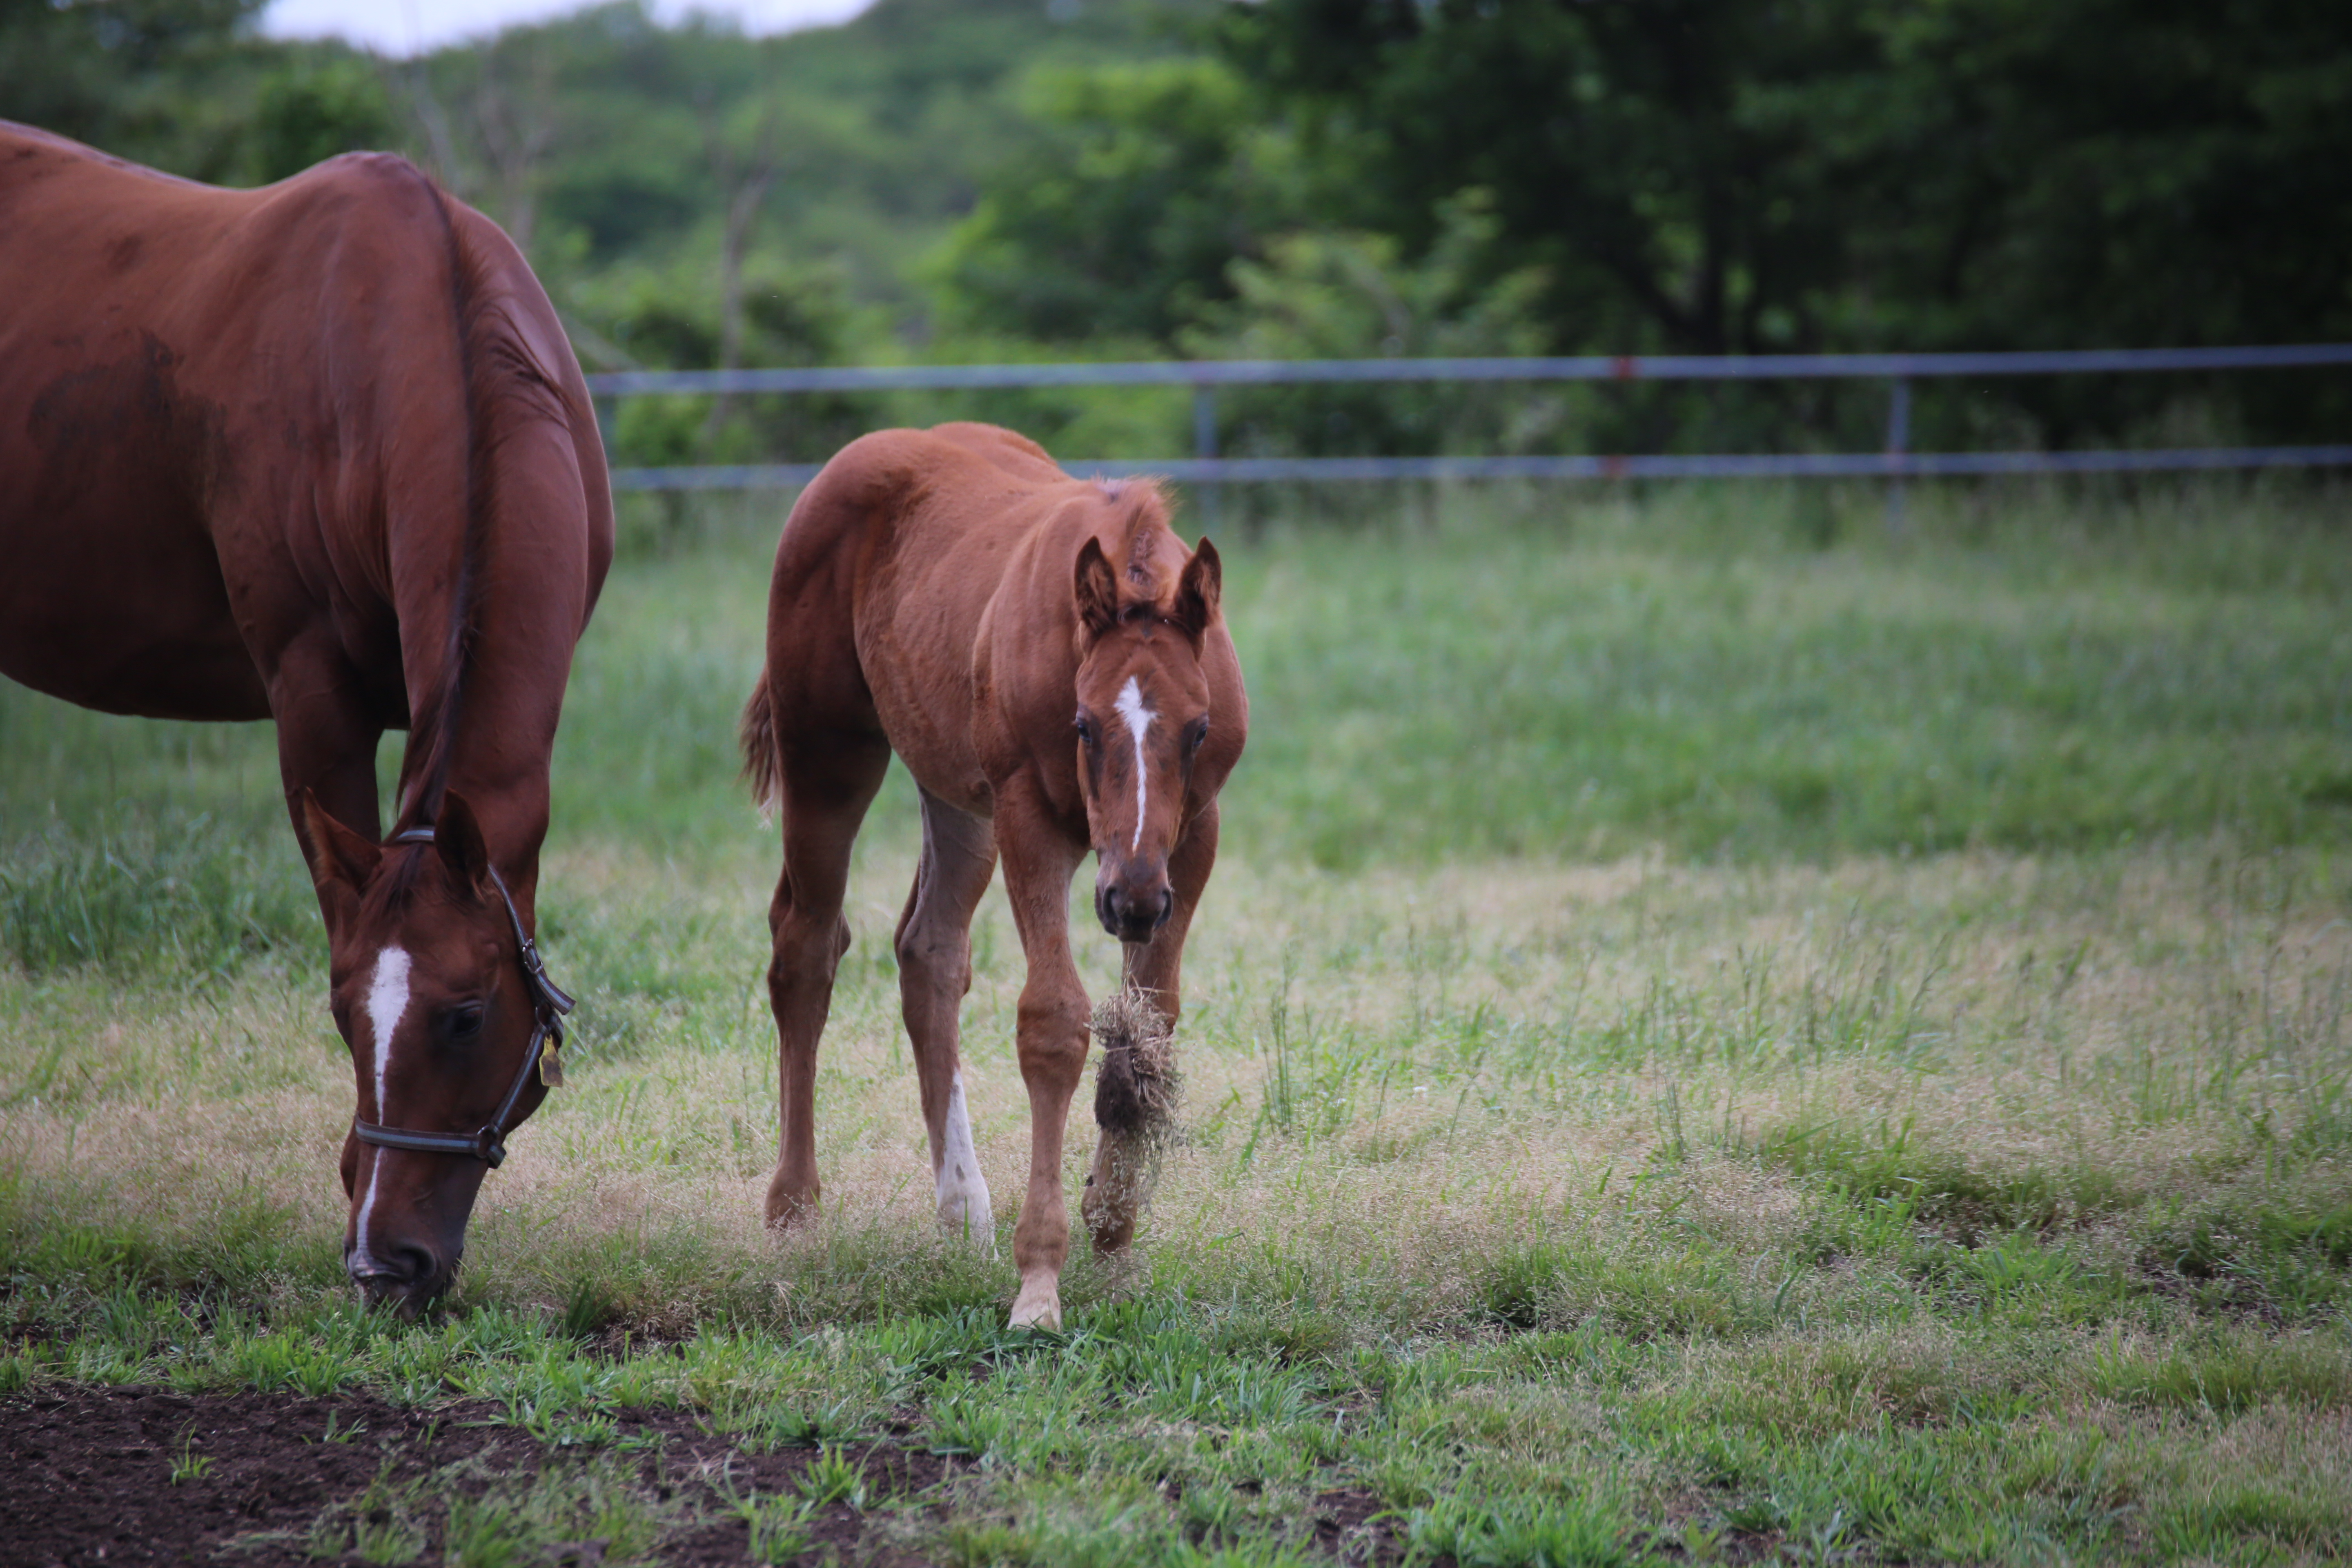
{"x":93,"y":1478}
{"x":133,"y":1476}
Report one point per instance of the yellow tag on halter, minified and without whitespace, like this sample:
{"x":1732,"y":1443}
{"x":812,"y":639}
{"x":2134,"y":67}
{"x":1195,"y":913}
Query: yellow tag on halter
{"x":551,"y":1065}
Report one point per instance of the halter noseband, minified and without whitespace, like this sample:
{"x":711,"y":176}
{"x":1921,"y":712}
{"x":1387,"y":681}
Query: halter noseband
{"x":548,"y":1005}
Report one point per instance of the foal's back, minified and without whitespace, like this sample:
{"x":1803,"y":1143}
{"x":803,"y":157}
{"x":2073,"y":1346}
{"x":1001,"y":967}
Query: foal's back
{"x":921,"y":562}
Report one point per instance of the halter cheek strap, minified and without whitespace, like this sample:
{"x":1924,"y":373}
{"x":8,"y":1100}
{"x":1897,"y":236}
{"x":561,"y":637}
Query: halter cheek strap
{"x":549,"y":1004}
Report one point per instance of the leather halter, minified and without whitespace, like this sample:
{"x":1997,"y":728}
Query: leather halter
{"x":549,"y":1004}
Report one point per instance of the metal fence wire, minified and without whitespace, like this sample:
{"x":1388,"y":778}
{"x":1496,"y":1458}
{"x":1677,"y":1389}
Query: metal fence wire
{"x":1895,"y":461}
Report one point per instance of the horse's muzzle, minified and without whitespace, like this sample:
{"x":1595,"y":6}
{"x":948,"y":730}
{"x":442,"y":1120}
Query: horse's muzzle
{"x":408,"y":1279}
{"x":1131,"y":914}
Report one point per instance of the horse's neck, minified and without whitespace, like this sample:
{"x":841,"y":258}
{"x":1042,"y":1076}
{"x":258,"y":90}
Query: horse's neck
{"x":496,"y":699}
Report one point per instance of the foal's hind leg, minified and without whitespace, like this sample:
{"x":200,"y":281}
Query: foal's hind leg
{"x":1118,"y":1182}
{"x":934,"y":947}
{"x":824,"y":785}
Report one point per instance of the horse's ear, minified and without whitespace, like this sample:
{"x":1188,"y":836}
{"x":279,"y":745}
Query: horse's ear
{"x":341,"y":861}
{"x":1198,"y":590}
{"x":458,"y":838}
{"x":1097,"y":589}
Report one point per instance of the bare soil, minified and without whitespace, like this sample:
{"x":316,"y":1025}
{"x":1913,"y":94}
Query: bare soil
{"x":133,"y":1476}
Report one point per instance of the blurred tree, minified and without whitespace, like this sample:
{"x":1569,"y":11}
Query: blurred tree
{"x":1729,"y":176}
{"x":1338,"y":295}
{"x":1140,"y":184}
{"x":1613,"y":137}
{"x":304,"y":114}
{"x":154,"y":80}
{"x":2104,"y":172}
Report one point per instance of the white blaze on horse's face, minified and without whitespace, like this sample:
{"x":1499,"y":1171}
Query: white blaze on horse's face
{"x":1139,"y":724}
{"x":385,"y":1005}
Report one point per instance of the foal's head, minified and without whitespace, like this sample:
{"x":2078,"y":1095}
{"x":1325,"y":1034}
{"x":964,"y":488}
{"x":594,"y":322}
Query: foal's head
{"x":1144,"y":726}
{"x":433,"y":998}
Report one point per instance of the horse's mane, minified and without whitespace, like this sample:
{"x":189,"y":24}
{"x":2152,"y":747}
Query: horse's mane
{"x":504,"y":380}
{"x":1140,"y":506}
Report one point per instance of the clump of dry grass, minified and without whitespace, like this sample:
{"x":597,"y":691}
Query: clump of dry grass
{"x":1138,"y":1089}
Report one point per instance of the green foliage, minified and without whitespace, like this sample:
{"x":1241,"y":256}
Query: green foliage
{"x":154,"y":80}
{"x":1141,"y":182}
{"x":181,"y":894}
{"x":1518,"y":1533}
{"x":1725,"y":178}
{"x":306,"y":116}
{"x":1322,"y":295}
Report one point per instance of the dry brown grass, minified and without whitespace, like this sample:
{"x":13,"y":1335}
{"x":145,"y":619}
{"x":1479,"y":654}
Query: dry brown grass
{"x":1465,"y":1053}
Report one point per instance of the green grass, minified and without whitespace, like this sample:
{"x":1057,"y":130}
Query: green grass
{"x":1719,"y":1032}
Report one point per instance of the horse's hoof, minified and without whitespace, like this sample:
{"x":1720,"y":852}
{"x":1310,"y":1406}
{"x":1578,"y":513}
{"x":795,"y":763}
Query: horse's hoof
{"x":1039,"y":1306}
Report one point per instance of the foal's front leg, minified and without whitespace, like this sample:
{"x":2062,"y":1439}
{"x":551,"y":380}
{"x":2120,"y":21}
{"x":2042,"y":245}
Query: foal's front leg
{"x":1050,"y":1034}
{"x":1118,"y":1182}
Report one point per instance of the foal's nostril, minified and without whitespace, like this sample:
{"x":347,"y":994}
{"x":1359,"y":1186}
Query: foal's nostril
{"x":1131,"y":916}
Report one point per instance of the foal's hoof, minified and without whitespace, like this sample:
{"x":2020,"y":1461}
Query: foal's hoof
{"x":789,"y":1207}
{"x":1039,"y":1306}
{"x":965,"y":1215}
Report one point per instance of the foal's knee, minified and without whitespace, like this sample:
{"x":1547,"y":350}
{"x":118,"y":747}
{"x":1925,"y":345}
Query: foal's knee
{"x":1052,"y":1035}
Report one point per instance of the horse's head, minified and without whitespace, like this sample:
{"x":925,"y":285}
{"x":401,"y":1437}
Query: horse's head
{"x":440,"y":998}
{"x":1144,"y":724}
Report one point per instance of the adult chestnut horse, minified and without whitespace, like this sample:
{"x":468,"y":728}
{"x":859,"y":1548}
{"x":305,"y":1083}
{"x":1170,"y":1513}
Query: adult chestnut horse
{"x":1049,"y":662}
{"x":321,"y":453}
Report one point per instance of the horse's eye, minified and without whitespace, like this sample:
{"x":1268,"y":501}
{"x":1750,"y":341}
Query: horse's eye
{"x":1200,"y":733}
{"x":1085,"y":728}
{"x":464,"y":1023}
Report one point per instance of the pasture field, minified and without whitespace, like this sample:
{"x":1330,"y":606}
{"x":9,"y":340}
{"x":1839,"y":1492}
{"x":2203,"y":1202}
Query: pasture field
{"x":1720,"y":1033}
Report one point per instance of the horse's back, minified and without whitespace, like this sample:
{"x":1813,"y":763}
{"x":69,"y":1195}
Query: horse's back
{"x":213,"y":387}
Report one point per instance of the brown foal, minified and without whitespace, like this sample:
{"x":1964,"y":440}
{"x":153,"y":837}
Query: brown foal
{"x":1050,"y":663}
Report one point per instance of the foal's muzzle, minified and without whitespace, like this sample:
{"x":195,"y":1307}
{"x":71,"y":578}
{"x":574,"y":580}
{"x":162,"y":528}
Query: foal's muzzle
{"x":1131,"y":913}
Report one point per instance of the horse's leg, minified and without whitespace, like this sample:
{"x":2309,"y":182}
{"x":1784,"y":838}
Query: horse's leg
{"x":934,"y":945}
{"x":823,"y":787}
{"x":1114,"y":1185}
{"x":1039,"y":861}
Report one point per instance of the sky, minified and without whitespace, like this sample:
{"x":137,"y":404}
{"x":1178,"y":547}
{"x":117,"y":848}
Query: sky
{"x":408,"y":26}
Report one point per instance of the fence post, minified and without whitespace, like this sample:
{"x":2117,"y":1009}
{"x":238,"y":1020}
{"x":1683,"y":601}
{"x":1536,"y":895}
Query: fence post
{"x":1898,"y":445}
{"x":607,"y":413}
{"x":1204,"y":445}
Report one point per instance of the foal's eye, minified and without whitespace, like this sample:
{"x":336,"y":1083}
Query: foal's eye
{"x":1200,"y":733}
{"x":1086,"y":729}
{"x":463,"y":1023}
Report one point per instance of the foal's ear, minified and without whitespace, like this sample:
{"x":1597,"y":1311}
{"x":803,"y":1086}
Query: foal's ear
{"x":1097,"y":589}
{"x":1198,"y":591}
{"x":338,"y":857}
{"x":458,"y":838}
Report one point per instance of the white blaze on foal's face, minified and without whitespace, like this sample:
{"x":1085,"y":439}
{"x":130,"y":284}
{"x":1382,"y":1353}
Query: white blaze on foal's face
{"x":384,"y":1005}
{"x":1138,"y":718}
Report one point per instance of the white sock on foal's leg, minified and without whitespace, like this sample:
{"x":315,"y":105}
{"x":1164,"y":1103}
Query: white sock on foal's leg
{"x":963,"y":1205}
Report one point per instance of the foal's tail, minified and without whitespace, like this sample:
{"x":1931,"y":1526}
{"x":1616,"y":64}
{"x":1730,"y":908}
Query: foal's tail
{"x":757,"y":733}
